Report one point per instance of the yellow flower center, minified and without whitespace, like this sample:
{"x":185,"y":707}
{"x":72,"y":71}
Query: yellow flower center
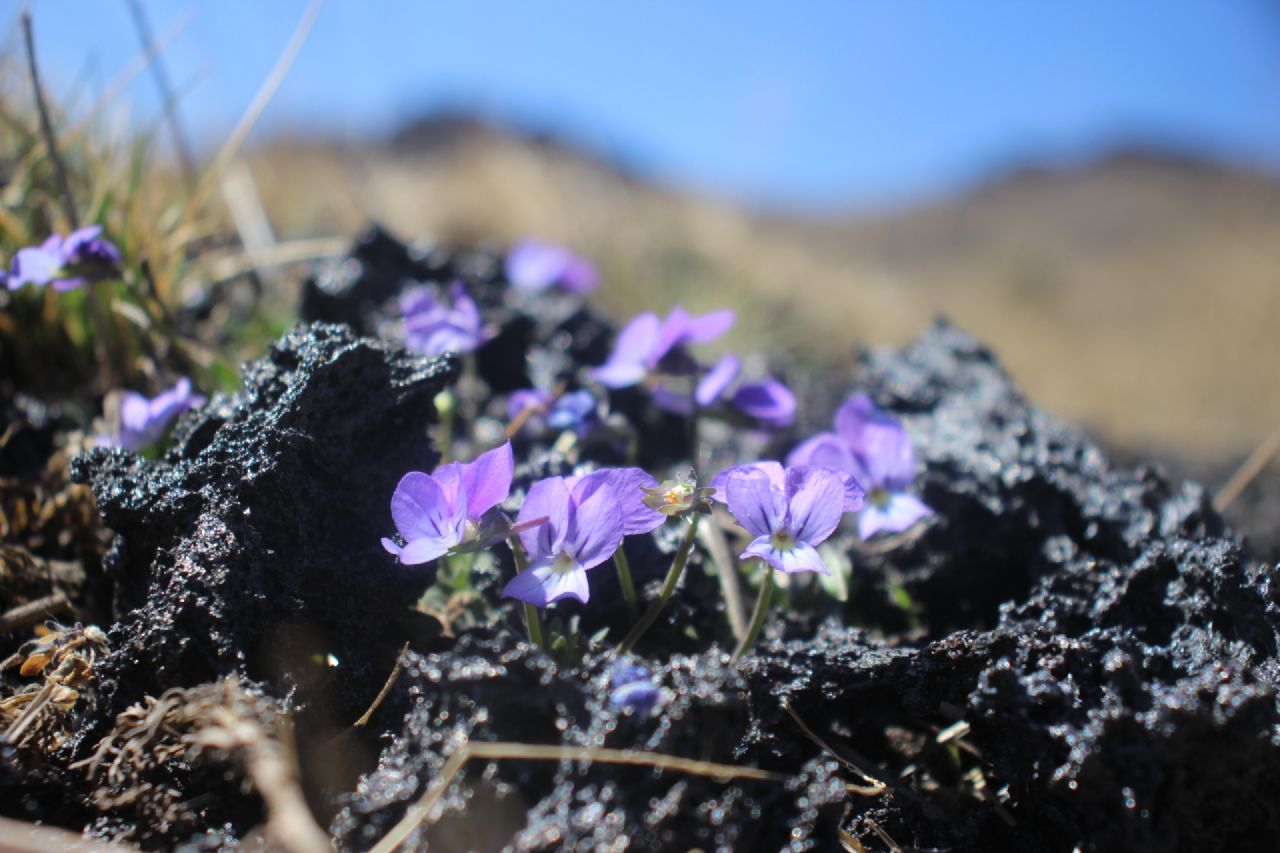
{"x":564,"y":563}
{"x":677,"y":495}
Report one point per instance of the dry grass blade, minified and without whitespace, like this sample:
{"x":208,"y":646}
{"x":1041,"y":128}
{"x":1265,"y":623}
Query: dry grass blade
{"x":849,"y":842}
{"x":386,"y":688}
{"x":894,"y":847}
{"x":139,"y":63}
{"x":19,"y":837}
{"x":167,"y":99}
{"x":261,"y":99}
{"x":419,"y":811}
{"x":876,"y":787}
{"x":1244,"y":475}
{"x":223,"y":721}
{"x":226,"y":267}
{"x":717,"y":544}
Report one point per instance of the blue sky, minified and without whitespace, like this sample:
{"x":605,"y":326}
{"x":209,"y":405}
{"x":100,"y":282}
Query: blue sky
{"x":831,"y":103}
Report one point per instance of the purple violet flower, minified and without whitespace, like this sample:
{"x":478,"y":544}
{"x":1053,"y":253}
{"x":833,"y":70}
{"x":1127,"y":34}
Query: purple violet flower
{"x":533,"y":265}
{"x":853,"y":492}
{"x":630,"y":487}
{"x":584,"y":527}
{"x":434,"y":513}
{"x":790,"y":519}
{"x":633,"y":688}
{"x":873,"y":447}
{"x":65,"y":263}
{"x":645,"y":341}
{"x":433,"y":327}
{"x":572,"y":410}
{"x":768,"y":401}
{"x":143,"y":421}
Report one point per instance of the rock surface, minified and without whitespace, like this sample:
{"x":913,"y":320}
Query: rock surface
{"x":252,"y":545}
{"x":1105,"y":641}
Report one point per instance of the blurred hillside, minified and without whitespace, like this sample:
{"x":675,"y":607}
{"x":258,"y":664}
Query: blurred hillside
{"x":1137,"y":295}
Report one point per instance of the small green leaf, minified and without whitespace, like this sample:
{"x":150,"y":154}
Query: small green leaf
{"x":838,"y":563}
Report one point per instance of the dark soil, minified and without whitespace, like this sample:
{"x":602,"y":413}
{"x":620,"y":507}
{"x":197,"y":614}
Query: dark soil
{"x":1072,"y":654}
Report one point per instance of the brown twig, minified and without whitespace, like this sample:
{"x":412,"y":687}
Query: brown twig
{"x":26,"y":615}
{"x":522,"y":417}
{"x":419,"y":811}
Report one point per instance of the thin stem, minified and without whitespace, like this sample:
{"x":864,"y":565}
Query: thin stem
{"x":532,"y":621}
{"x":668,"y":588}
{"x":757,"y":618}
{"x":446,"y":407}
{"x":695,"y":437}
{"x":624,"y":579}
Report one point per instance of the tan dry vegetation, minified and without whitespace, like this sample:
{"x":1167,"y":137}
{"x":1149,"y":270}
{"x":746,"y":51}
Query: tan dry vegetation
{"x":1138,"y":295}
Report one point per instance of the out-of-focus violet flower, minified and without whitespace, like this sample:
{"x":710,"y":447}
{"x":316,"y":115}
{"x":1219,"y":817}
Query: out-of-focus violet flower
{"x":572,"y":410}
{"x":633,"y":688}
{"x":433,"y":327}
{"x":534,"y":265}
{"x":768,"y":401}
{"x":65,"y":263}
{"x":142,"y":421}
{"x":437,"y":512}
{"x":584,"y":526}
{"x":646,"y":341}
{"x":852,"y":497}
{"x":873,"y":447}
{"x":788,"y":520}
{"x":630,"y":487}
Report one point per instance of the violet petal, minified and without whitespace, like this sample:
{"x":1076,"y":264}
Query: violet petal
{"x":754,"y":501}
{"x":815,"y":502}
{"x":547,"y":499}
{"x":487,"y":479}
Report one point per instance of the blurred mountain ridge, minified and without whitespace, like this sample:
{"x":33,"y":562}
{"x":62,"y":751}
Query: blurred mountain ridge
{"x":1137,"y":292}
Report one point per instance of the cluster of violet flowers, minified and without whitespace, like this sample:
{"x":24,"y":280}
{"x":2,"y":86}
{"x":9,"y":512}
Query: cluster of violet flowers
{"x":654,"y":352}
{"x":568,"y":526}
{"x":650,"y":351}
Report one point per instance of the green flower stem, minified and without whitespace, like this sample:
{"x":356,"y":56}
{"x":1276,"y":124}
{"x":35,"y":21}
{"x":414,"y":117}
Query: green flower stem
{"x":624,"y":579}
{"x":668,"y":588}
{"x":532,"y":621}
{"x":757,"y":618}
{"x":695,"y":437}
